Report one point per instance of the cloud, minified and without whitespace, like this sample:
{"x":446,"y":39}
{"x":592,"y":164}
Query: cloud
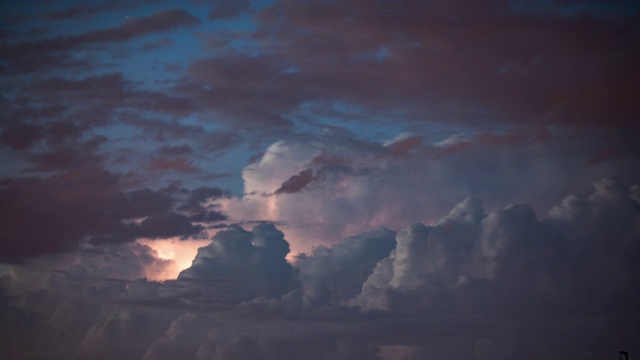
{"x":358,"y":185}
{"x":508,"y":261}
{"x":55,"y":214}
{"x":203,"y":194}
{"x":255,"y":260}
{"x":229,"y":9}
{"x":296,"y":182}
{"x":474,"y":283}
{"x":67,"y":156}
{"x":228,"y":84}
{"x":158,"y":44}
{"x":177,"y":150}
{"x":177,"y":164}
{"x":72,"y":12}
{"x":167,"y":224}
{"x":416,"y":51}
{"x":113,"y":154}
{"x":23,"y":56}
{"x":50,"y":215}
{"x":403,"y":145}
{"x":333,"y":274}
{"x":21,"y":135}
{"x":147,"y":201}
{"x":199,"y":205}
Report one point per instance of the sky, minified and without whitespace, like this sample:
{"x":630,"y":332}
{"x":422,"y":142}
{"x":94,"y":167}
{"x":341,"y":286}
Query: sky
{"x":290,"y":179}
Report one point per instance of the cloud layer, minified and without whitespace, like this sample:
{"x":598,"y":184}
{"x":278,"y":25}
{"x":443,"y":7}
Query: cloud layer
{"x":489,"y":285}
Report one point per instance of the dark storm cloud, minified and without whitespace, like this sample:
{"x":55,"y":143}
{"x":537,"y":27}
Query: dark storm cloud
{"x":53,"y":215}
{"x":20,"y":135}
{"x":147,"y":201}
{"x":208,"y":216}
{"x":420,"y":56}
{"x":296,"y":182}
{"x":63,"y":157}
{"x":198,"y":196}
{"x":177,"y":164}
{"x":42,"y":216}
{"x":198,"y":209}
{"x":167,"y":224}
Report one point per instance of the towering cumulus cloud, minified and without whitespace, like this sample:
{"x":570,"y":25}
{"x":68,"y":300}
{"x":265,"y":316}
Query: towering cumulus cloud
{"x":253,"y":261}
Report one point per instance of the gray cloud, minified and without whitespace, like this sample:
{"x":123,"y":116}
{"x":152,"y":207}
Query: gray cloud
{"x":296,"y":182}
{"x":255,"y":259}
{"x":333,"y":274}
{"x":576,"y":260}
{"x":55,"y":214}
{"x":473,"y":284}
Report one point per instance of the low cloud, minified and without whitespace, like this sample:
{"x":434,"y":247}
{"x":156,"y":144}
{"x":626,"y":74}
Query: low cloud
{"x":474,"y":283}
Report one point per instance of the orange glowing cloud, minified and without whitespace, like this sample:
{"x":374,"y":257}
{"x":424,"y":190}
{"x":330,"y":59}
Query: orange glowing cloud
{"x":179,"y":252}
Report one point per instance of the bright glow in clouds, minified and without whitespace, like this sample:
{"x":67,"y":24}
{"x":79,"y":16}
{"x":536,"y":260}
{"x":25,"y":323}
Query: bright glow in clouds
{"x":281,"y":161}
{"x":180,"y":252}
{"x":357,"y":186}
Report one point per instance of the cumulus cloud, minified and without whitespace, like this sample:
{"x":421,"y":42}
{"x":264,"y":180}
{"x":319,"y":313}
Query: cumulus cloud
{"x":333,"y":274}
{"x":254,"y":260}
{"x":474,"y":283}
{"x":574,"y":260}
{"x":334,"y":185}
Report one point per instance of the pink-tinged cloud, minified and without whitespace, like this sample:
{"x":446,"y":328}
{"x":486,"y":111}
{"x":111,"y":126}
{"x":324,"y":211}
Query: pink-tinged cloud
{"x":360,"y":189}
{"x":296,"y":183}
{"x":403,"y":146}
{"x":176,"y":164}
